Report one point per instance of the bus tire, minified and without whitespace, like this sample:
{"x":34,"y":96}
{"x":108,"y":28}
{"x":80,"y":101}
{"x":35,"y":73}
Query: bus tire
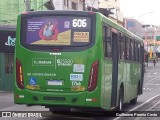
{"x":120,"y":100}
{"x":133,"y":101}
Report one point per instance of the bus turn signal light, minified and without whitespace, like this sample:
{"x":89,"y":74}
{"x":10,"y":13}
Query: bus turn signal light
{"x":19,"y":74}
{"x":92,"y":83}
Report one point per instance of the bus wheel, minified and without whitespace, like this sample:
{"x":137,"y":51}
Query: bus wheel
{"x":120,"y":101}
{"x":133,"y":101}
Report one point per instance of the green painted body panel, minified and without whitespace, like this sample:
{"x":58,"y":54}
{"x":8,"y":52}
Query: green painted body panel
{"x":129,"y":74}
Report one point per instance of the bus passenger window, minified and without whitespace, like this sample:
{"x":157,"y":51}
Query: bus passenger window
{"x":107,"y":41}
{"x":109,"y":49}
{"x":127,"y":48}
{"x":122,"y":46}
{"x":139,"y":53}
{"x":136,"y":51}
{"x":104,"y":40}
{"x":131,"y":50}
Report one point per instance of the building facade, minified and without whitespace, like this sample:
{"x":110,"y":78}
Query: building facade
{"x":75,"y":4}
{"x":151,"y":36}
{"x":134,"y":26}
{"x":68,"y":4}
{"x":7,"y":38}
{"x":9,"y":9}
{"x":114,"y":7}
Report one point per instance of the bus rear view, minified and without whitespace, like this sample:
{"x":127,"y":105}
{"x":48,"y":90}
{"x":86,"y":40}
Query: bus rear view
{"x":56,"y":60}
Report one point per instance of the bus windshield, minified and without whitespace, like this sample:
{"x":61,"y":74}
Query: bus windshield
{"x":57,"y":31}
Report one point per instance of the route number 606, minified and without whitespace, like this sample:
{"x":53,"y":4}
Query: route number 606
{"x":79,"y":23}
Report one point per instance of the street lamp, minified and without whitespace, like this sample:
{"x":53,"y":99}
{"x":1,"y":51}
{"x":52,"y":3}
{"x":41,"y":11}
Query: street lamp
{"x":144,"y":15}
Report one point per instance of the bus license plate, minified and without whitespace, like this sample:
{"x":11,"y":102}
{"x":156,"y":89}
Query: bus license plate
{"x":55,"y":82}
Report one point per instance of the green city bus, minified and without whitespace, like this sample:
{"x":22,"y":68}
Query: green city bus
{"x":76,"y":59}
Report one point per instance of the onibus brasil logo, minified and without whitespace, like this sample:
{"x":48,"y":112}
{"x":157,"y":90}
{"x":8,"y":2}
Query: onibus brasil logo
{"x":10,"y":41}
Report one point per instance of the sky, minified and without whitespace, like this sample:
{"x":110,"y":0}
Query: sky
{"x":145,"y":11}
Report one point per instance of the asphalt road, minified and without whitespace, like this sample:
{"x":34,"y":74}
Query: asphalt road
{"x":151,"y":89}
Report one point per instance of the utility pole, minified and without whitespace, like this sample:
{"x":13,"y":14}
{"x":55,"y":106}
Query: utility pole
{"x":27,"y":4}
{"x":84,"y":9}
{"x":92,"y":5}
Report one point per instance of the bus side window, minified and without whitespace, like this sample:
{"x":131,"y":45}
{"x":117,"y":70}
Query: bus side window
{"x":107,"y":41}
{"x":122,"y":46}
{"x":136,"y":51}
{"x":139,"y":52}
{"x":131,"y":50}
{"x":127,"y":45}
{"x":104,"y":39}
{"x":119,"y":44}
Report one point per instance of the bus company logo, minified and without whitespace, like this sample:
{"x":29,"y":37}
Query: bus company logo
{"x":54,"y":53}
{"x":64,"y":62}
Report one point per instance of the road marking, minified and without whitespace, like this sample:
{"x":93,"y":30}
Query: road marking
{"x":147,"y":88}
{"x":149,"y":109}
{"x":139,"y":106}
{"x":151,"y":80}
{"x":155,"y":73}
{"x":152,"y":84}
{"x":149,"y":76}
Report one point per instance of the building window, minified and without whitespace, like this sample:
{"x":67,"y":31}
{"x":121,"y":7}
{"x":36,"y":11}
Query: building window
{"x":9,"y":63}
{"x":8,"y":6}
{"x":64,"y":2}
{"x":149,"y":37}
{"x":67,"y":3}
{"x":74,"y":6}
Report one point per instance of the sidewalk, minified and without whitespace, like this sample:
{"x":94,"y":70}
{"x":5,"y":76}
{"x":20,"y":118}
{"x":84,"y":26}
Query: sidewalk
{"x":150,"y":65}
